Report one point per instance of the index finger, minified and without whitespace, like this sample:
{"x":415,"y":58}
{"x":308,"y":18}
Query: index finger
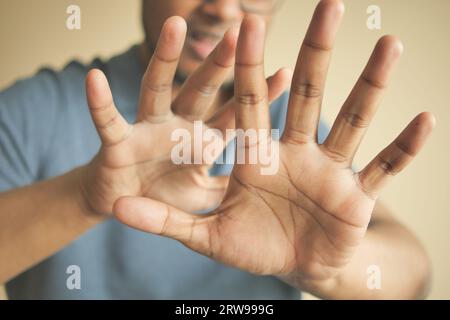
{"x":156,"y":88}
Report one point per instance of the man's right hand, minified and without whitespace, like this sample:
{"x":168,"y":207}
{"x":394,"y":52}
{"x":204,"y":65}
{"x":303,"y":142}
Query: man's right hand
{"x":135,"y":159}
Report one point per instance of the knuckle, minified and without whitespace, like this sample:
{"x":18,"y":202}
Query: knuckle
{"x":250,"y":99}
{"x":297,"y":136}
{"x":220,"y":65}
{"x":335,"y":155}
{"x":316,"y":46}
{"x":403,"y":148}
{"x":111,"y":122}
{"x":98,"y":109}
{"x":373,"y":83}
{"x":355,"y":120}
{"x":156,"y":87}
{"x":307,"y":90}
{"x":387,"y":167}
{"x":208,"y":89}
{"x":161,"y":59}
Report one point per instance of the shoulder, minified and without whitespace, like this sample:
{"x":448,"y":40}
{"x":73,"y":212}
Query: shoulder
{"x":31,"y":110}
{"x":43,"y":92}
{"x":31,"y":106}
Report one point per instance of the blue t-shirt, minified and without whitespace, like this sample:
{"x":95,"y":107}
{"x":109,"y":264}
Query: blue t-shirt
{"x":45,"y":131}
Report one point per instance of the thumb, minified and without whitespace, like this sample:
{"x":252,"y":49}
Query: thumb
{"x":161,"y":219}
{"x":110,"y":124}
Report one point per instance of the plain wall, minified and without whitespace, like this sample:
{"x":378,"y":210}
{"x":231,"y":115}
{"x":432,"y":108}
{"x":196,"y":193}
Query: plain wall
{"x":33,"y":34}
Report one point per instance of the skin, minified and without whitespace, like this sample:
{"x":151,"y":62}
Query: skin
{"x":315,"y":224}
{"x":308,"y":224}
{"x":213,"y":19}
{"x":126,"y":163}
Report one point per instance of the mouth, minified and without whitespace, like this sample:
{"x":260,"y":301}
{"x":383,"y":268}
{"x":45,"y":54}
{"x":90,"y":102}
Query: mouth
{"x":202,"y":43}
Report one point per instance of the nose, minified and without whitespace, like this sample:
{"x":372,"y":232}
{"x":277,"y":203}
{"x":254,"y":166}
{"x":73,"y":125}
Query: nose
{"x":223,"y":10}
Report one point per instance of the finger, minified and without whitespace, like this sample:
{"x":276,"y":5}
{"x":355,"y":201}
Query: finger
{"x":198,"y":92}
{"x":251,"y":91}
{"x":310,"y":73}
{"x":111,"y":126}
{"x":156,"y":87}
{"x":161,"y":219}
{"x":277,"y":84}
{"x":360,"y":107}
{"x":397,"y":155}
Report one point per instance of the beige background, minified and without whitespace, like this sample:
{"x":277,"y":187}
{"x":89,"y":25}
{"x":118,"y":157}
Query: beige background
{"x":33,"y":33}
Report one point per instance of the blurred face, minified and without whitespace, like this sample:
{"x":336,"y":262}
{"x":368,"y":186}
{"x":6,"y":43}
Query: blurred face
{"x":207,"y":21}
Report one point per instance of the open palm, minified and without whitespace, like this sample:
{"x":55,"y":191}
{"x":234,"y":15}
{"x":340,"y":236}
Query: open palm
{"x":135,"y":159}
{"x":311,"y":215}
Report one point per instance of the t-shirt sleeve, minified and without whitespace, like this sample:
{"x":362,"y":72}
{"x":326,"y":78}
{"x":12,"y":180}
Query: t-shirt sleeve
{"x":27,"y":113}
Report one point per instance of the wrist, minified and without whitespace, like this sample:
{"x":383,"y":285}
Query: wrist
{"x":79,"y":183}
{"x":323,"y":288}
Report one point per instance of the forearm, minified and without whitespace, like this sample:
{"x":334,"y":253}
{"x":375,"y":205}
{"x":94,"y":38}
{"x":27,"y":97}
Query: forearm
{"x":38,"y":220}
{"x":403,"y":264}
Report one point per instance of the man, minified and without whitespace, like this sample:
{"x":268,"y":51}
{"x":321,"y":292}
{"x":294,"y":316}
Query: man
{"x":314,"y":225}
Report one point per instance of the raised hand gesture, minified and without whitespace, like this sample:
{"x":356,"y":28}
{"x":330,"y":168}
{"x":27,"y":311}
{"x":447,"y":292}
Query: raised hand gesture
{"x":309,"y":218}
{"x":135,"y":159}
